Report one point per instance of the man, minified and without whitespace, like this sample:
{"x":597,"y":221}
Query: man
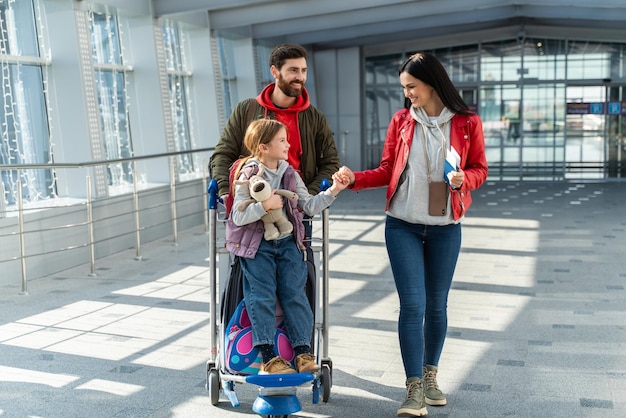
{"x":312,"y":149}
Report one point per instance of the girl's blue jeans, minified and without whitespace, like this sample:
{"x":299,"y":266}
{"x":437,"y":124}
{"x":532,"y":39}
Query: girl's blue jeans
{"x":278,"y":270}
{"x":423,"y":259}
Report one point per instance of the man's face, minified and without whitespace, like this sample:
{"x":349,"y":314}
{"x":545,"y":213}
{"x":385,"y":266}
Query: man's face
{"x":291,"y":77}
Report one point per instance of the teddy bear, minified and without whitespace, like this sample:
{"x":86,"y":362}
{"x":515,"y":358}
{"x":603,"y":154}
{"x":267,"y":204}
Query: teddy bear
{"x":275,"y":222}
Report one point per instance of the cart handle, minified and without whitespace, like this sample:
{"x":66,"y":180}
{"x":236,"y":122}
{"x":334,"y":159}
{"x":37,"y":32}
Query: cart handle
{"x":324,"y":184}
{"x":214,"y":198}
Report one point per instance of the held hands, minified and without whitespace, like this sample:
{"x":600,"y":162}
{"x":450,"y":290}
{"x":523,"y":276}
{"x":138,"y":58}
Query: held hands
{"x":338,"y":185}
{"x":346,"y":175}
{"x":341,"y":180}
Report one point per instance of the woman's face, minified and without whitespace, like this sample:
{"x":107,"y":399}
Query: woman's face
{"x":419,"y":93}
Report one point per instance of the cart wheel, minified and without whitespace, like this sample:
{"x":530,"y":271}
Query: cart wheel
{"x":327,"y":382}
{"x":213,"y":382}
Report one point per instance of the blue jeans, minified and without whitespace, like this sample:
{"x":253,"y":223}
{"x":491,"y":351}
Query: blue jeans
{"x":423,"y":259}
{"x":278,"y":270}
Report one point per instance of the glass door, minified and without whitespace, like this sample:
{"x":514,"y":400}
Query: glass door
{"x":500,"y":113}
{"x":542,"y":131}
{"x":616,"y":132}
{"x":585,"y":132}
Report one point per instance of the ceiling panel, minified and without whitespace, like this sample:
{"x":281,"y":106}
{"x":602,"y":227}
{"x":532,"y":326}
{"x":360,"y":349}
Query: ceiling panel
{"x":333,"y":23}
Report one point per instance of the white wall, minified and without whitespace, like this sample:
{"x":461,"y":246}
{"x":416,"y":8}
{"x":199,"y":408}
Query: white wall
{"x":202,"y":90}
{"x":68,"y":117}
{"x":244,"y":68}
{"x":145,"y":102}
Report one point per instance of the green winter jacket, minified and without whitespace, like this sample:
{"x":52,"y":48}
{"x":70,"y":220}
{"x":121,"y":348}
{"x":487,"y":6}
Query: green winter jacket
{"x":319,"y":153}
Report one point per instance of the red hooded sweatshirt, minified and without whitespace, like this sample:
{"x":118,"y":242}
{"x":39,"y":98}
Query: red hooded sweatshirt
{"x":289,"y":117}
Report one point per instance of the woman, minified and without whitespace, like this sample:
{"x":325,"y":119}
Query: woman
{"x":426,"y":203}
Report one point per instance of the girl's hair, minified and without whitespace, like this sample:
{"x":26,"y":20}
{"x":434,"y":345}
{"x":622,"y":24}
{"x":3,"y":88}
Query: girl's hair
{"x":427,"y":68}
{"x":260,"y":131}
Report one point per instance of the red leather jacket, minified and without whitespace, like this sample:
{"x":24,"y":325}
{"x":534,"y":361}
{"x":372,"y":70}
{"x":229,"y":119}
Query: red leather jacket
{"x":466,"y":136}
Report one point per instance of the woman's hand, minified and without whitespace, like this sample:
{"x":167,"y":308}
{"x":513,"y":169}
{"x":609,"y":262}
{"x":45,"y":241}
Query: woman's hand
{"x":457,"y":178}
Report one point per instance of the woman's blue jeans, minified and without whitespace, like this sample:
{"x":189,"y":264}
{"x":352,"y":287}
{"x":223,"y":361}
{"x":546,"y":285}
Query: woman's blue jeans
{"x":423,"y":259}
{"x":279,"y":269}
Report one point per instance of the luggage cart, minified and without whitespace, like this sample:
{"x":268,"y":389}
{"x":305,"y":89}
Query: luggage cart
{"x":277,"y":393}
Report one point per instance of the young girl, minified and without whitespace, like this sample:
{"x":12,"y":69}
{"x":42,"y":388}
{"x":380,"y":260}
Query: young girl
{"x":275,"y":268}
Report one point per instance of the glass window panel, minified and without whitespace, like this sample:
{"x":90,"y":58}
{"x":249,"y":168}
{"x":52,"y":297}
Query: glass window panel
{"x":263,"y":58}
{"x":105,"y":39}
{"x":591,"y":66}
{"x":618,"y":62}
{"x":543,"y":114}
{"x":229,"y":79}
{"x":500,"y":121}
{"x":490,"y":104}
{"x":384,"y":97}
{"x":511,"y":68}
{"x":544,"y":59}
{"x":173,"y":47}
{"x":179,"y":80}
{"x":538,"y":156}
{"x":491,"y":69}
{"x":24,"y":133}
{"x":494,"y":158}
{"x":501,"y":61}
{"x":115,"y":130}
{"x":383,"y":69}
{"x":382,"y":102}
{"x":19,"y":29}
{"x":460,"y":63}
{"x":178,"y":95}
{"x":112,"y":99}
{"x":589,"y":60}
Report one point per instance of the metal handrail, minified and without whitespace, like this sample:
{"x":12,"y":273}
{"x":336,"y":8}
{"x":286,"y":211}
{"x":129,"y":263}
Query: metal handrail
{"x":90,"y":220}
{"x":4,"y":167}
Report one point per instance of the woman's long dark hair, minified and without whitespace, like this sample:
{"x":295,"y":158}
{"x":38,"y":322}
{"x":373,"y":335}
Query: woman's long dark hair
{"x":427,"y":68}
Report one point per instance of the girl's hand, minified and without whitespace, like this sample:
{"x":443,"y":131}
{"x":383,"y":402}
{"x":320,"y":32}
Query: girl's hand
{"x":275,"y":201}
{"x":339,"y":184}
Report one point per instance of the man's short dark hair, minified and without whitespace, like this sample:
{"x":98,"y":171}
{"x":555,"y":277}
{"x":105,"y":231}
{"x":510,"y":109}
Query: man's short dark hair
{"x":284,"y":52}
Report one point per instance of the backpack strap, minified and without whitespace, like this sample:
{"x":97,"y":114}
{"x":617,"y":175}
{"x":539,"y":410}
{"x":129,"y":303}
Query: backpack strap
{"x":235,"y":170}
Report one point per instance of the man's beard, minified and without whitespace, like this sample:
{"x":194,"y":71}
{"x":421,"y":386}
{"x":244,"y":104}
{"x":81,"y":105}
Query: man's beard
{"x":288,"y":89}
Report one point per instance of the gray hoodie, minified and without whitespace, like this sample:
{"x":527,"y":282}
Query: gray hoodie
{"x":410,"y":202}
